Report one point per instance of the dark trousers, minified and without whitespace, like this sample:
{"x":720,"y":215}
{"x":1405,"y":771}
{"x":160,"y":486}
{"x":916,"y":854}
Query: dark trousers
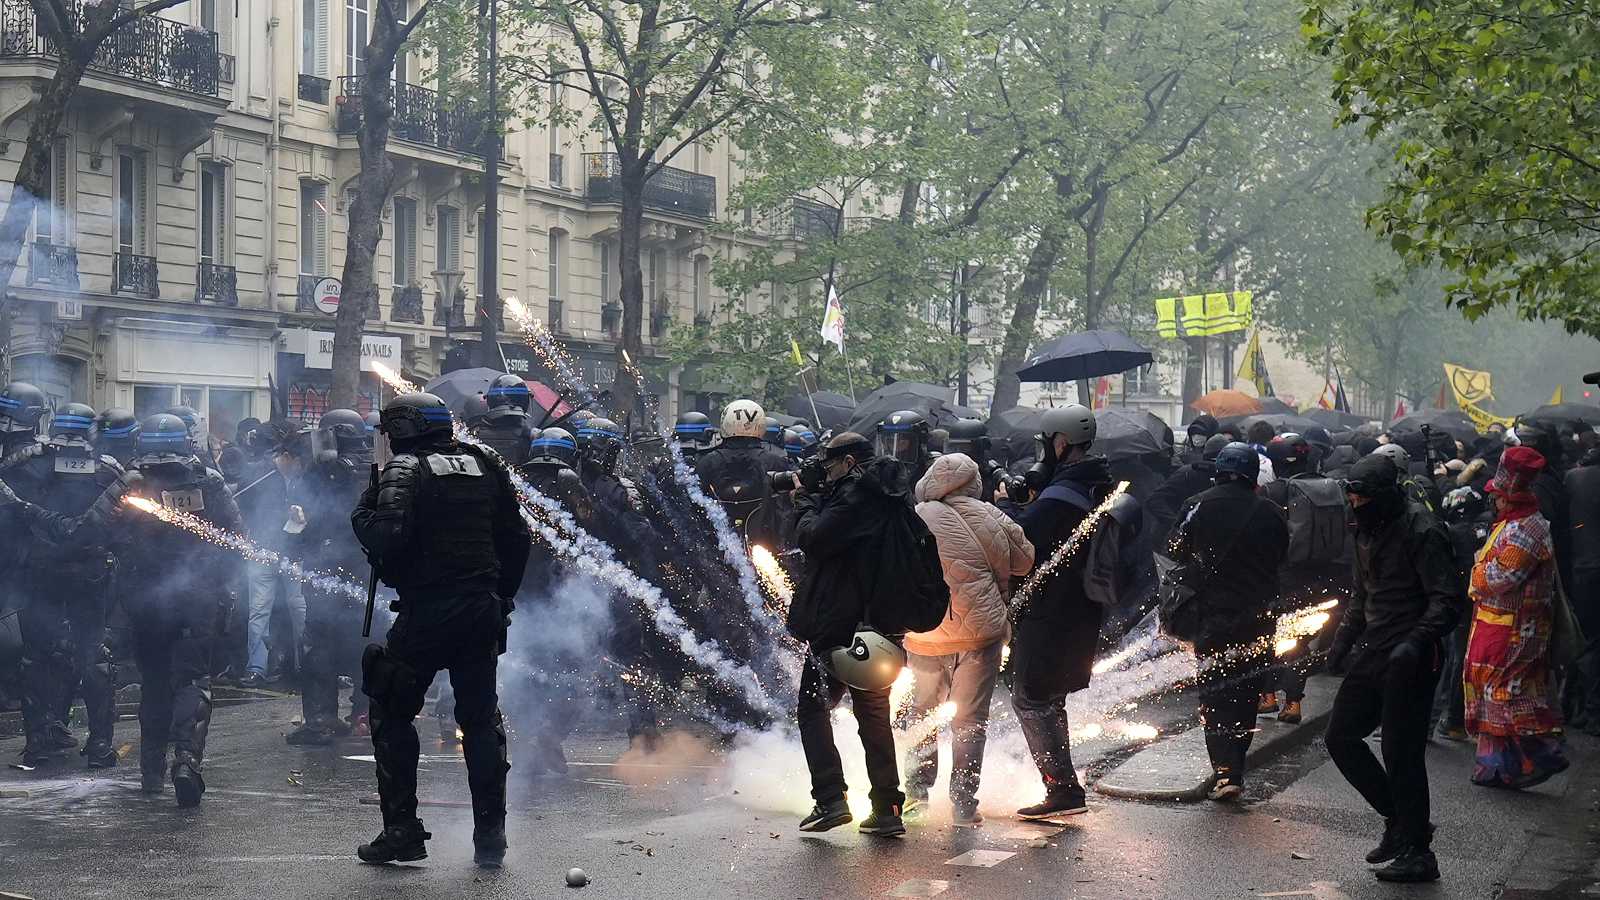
{"x":1230,"y":685}
{"x":1398,"y":697}
{"x":461,"y":635}
{"x":1449,"y":698}
{"x":819,"y":694}
{"x":65,"y":645}
{"x":172,"y":644}
{"x":326,"y":652}
{"x":1039,"y":682}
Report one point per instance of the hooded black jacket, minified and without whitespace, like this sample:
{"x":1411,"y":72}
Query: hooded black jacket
{"x":735,"y":473}
{"x":839,"y":532}
{"x":1059,"y":617}
{"x":1161,"y":510}
{"x":1407,"y":587}
{"x":1232,"y":540}
{"x":1583,"y":513}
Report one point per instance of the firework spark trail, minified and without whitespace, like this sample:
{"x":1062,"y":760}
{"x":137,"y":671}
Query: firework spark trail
{"x":1080,"y":534}
{"x":772,"y":574}
{"x":238,"y":543}
{"x":929,"y":725}
{"x":561,"y":531}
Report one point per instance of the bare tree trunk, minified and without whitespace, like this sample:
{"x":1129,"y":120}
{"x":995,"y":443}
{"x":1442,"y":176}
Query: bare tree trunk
{"x":630,"y":349}
{"x":1019,"y":332}
{"x":373,"y":186}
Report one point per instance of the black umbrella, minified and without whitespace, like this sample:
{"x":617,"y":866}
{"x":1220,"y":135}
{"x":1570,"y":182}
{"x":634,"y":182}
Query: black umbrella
{"x":1087,"y":354}
{"x":935,"y":402}
{"x":1124,"y":433}
{"x":1450,"y":421}
{"x":1335,"y":420}
{"x":1012,"y":431}
{"x":1565,"y":412}
{"x":1271,"y":405}
{"x":833,"y":410}
{"x":1282,"y":423}
{"x":455,"y":388}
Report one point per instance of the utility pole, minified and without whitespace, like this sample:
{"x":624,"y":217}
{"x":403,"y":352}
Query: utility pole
{"x":963,"y":300}
{"x":489,"y":265}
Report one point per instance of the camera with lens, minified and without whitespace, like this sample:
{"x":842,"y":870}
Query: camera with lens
{"x":811,"y":475}
{"x":1015,"y":484}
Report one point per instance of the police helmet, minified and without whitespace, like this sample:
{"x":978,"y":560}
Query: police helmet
{"x":509,"y":391}
{"x":772,"y":433}
{"x":164,"y":438}
{"x":553,"y":447}
{"x":1075,"y":421}
{"x":744,"y":418}
{"x":21,"y":407}
{"x":474,"y":409}
{"x":871,"y":663}
{"x":577,"y":418}
{"x":412,"y":417}
{"x":794,"y":444}
{"x":1238,"y":460}
{"x":348,"y":428}
{"x":71,"y":425}
{"x":693,"y":429}
{"x":371,"y":421}
{"x":1214,"y":445}
{"x":902,"y":435}
{"x":600,"y":440}
{"x":969,"y":436}
{"x":117,"y":426}
{"x":190,"y":417}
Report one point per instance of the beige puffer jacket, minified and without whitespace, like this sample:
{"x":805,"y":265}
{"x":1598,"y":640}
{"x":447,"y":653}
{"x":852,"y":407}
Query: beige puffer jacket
{"x":983,"y":553}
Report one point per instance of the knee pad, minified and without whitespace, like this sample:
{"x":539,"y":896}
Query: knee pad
{"x":383,"y":677}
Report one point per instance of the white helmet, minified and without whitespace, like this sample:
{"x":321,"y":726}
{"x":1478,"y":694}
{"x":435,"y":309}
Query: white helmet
{"x":744,"y":418}
{"x":871,"y":663}
{"x":1397,"y":454}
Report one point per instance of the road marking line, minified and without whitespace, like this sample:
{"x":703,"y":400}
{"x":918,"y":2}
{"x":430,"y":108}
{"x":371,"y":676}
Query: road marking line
{"x":919,"y":887}
{"x":982,"y":859}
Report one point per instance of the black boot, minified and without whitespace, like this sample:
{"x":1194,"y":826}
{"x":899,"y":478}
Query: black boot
{"x":396,"y":843}
{"x":187,"y":781}
{"x":1414,"y":865}
{"x":1058,"y":802}
{"x":152,"y":770}
{"x":99,"y":754}
{"x":60,"y":737}
{"x":827,"y":816}
{"x":489,"y":847}
{"x":1391,"y":845}
{"x":885,"y":822}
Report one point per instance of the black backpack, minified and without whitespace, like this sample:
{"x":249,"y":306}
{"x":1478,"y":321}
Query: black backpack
{"x":1317,"y":514}
{"x":909,"y":593}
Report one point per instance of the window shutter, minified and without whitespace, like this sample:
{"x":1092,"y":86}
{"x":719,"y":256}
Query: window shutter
{"x":411,"y":242}
{"x":221,"y":205}
{"x":141,"y":213}
{"x":322,"y":38}
{"x":320,"y":218}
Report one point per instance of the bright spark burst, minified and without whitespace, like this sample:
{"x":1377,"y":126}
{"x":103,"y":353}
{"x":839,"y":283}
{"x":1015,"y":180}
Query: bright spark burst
{"x":772,"y":575}
{"x":242,"y":545}
{"x":1139,"y":731}
{"x":1070,"y":546}
{"x":900,"y":693}
{"x":393,"y":379}
{"x":928,"y":725}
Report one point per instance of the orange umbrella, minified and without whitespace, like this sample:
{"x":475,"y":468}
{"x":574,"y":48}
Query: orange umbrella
{"x":1228,"y":403}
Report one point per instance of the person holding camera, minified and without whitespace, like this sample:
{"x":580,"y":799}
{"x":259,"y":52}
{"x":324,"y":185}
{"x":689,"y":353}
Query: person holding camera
{"x":1408,"y":595}
{"x":1058,"y":627}
{"x":845,"y":500}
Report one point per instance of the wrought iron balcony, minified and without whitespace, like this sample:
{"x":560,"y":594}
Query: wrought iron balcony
{"x":314,"y":89}
{"x":217,"y":283}
{"x":134,"y":274}
{"x":149,"y":49}
{"x":405,"y":305}
{"x":421,"y":116}
{"x":670,"y":190}
{"x":451,"y":313}
{"x":53,"y":264}
{"x":808,"y":220}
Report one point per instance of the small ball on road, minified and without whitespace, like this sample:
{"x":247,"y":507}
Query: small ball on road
{"x":576,"y":878}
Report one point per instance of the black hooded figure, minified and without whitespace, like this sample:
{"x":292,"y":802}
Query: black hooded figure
{"x":441,"y":524}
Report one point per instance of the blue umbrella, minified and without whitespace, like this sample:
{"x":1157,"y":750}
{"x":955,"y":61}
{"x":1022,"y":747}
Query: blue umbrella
{"x":1084,"y":355}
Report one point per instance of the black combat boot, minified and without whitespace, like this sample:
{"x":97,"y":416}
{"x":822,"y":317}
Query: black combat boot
{"x":827,"y":816}
{"x":489,"y":846}
{"x":396,"y":843}
{"x":187,"y":782}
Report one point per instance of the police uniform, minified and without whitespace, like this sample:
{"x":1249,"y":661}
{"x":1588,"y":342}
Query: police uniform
{"x":327,"y":493}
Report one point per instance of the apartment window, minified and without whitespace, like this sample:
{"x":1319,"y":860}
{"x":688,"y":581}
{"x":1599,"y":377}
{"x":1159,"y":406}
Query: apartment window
{"x":355,"y":37}
{"x":405,"y":241}
{"x":213,"y":213}
{"x":447,"y":240}
{"x":133,"y":202}
{"x":49,"y":208}
{"x":555,"y":287}
{"x":314,"y":38}
{"x":702,"y":286}
{"x":607,"y":284}
{"x":483,"y":258}
{"x":208,"y":14}
{"x":313,"y":228}
{"x":222,"y":409}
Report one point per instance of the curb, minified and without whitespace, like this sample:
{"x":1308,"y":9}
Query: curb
{"x":1185,"y":753}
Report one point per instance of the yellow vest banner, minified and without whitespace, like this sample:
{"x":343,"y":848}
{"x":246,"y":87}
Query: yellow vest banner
{"x":1204,"y":315}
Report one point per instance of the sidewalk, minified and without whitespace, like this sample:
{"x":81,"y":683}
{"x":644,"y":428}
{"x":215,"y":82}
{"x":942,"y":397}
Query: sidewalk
{"x":1177,"y":768}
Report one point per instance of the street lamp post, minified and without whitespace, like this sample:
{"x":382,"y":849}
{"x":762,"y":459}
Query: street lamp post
{"x":489,"y":266}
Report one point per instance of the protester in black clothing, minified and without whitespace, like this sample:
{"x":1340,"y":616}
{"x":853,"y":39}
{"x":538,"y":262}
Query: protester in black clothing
{"x":838,"y":528}
{"x":1468,"y":517}
{"x":1058,"y":629}
{"x":1552,"y":493}
{"x":1230,"y":543}
{"x":1197,"y":435}
{"x":1161,"y":510}
{"x":1408,"y":596}
{"x":1583,"y":591}
{"x":441,"y":524}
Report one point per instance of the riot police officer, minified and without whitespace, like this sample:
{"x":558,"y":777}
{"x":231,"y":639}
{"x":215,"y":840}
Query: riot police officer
{"x":21,"y":407}
{"x":197,"y":433}
{"x":903,"y":436}
{"x":116,"y":434}
{"x":505,"y":428}
{"x":328,"y":470}
{"x":442,"y":526}
{"x":694,"y":434}
{"x":971,"y":436}
{"x":66,"y":588}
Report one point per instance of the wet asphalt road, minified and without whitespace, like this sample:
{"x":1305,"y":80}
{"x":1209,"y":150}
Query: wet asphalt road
{"x":283,"y":822}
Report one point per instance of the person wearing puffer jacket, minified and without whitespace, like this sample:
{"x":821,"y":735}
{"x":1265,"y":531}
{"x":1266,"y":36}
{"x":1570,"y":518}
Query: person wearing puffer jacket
{"x":983,"y":553}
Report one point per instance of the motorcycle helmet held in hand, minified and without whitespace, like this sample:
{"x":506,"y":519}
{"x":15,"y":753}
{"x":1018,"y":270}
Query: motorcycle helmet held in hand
{"x":871,"y":663}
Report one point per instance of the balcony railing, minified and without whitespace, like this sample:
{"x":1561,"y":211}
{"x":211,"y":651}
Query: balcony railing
{"x":132,"y":273}
{"x":670,"y":190}
{"x":314,"y":89}
{"x":450,"y":313}
{"x":808,"y":220}
{"x":53,"y":264}
{"x":217,"y":283}
{"x":421,"y":116}
{"x":149,"y":49}
{"x":405,"y":305}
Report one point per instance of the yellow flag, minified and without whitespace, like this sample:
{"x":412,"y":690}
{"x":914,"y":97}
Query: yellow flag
{"x":1556,"y":397}
{"x":1470,"y":387}
{"x":794,"y":348}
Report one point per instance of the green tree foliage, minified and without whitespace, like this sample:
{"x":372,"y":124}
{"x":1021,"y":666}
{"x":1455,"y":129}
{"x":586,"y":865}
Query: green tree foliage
{"x":1493,"y":113}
